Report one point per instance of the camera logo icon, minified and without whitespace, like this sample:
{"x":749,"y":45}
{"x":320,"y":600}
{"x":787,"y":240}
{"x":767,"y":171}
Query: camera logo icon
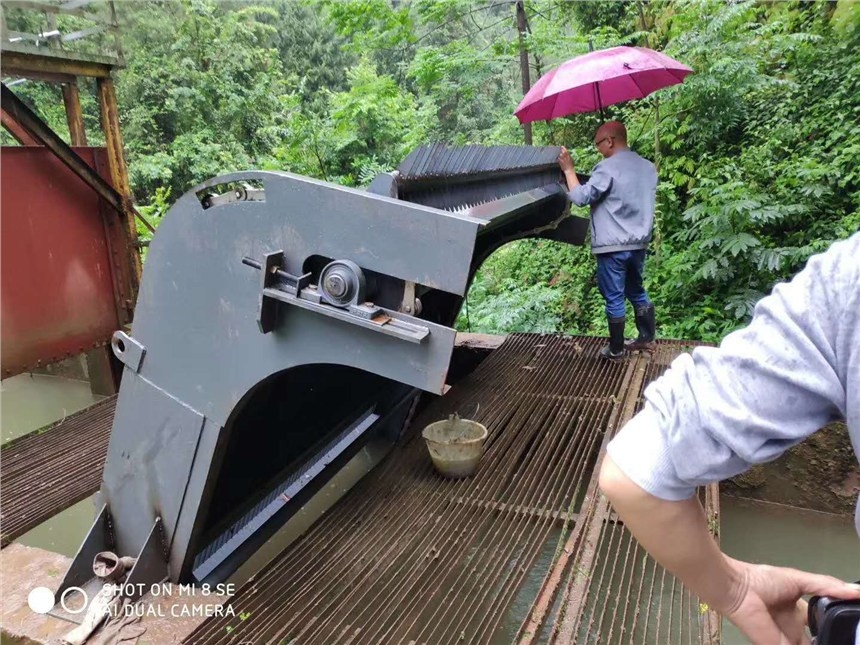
{"x":41,"y":600}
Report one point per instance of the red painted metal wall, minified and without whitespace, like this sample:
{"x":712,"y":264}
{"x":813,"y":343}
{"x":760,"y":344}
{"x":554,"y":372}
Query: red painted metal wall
{"x":57,"y":272}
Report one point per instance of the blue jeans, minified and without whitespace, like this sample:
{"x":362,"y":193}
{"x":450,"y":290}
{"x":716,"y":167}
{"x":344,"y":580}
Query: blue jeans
{"x":619,"y":274}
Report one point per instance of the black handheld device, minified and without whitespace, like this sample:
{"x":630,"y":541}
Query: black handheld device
{"x":833,"y":621}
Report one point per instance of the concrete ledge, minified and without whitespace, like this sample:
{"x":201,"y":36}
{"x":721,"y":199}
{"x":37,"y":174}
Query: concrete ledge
{"x":23,"y":568}
{"x":167,"y":619}
{"x":478,"y":341}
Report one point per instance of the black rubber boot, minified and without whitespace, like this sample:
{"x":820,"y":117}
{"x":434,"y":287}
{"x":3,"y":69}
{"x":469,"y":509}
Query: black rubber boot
{"x":647,"y":327}
{"x":616,"y":339}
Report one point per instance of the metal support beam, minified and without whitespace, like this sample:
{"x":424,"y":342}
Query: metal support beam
{"x":16,"y":130}
{"x":29,"y":65}
{"x":104,"y":378}
{"x":103,"y":370}
{"x":40,"y":131}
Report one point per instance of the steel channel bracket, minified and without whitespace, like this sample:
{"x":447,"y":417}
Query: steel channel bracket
{"x":278,"y":285}
{"x":150,"y":567}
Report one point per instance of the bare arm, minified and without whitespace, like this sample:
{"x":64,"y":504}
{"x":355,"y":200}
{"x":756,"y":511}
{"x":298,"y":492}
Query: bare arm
{"x":675,"y":534}
{"x":764,"y":602}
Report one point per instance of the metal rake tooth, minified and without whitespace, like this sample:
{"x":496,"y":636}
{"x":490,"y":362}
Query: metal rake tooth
{"x":405,"y":167}
{"x":440,"y":160}
{"x":456,"y":160}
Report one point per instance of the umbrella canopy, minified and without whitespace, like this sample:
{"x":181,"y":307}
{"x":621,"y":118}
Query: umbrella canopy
{"x":589,"y":82}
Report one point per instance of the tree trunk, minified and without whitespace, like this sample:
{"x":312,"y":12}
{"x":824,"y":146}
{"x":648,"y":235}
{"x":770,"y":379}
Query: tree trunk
{"x":524,"y":63}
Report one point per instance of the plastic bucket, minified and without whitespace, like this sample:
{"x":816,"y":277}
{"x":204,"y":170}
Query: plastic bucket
{"x":455,"y":445}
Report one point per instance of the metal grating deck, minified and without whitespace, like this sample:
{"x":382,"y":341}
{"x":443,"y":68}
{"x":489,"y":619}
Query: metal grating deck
{"x":51,"y":469}
{"x":409,"y":557}
{"x":614,"y":591}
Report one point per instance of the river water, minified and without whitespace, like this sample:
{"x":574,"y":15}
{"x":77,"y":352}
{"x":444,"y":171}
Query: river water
{"x":786,"y":536}
{"x":753,"y":531}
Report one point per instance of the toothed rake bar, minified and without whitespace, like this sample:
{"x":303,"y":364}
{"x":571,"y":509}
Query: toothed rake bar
{"x":458,"y":178}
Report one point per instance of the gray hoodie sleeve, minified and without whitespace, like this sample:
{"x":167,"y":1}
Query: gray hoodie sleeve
{"x":793,"y":369}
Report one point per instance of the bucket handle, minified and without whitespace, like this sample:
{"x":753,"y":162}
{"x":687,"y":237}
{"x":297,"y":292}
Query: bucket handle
{"x":456,"y":415}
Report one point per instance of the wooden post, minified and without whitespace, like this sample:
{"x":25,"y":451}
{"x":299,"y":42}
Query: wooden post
{"x":118,"y":169}
{"x":102,"y":369}
{"x":74,"y":114}
{"x":524,"y":62}
{"x":105,"y":372}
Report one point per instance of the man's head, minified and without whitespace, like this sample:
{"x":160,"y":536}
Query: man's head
{"x":610,"y":138}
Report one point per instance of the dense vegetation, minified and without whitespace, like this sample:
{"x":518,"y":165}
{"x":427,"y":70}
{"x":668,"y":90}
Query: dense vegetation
{"x":757,"y":151}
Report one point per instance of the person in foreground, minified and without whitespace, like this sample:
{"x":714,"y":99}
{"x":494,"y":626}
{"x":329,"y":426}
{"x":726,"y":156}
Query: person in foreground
{"x":621,"y":192}
{"x":718,"y":411}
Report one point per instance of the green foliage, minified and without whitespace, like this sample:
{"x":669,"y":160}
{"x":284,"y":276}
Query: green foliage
{"x":203,"y":95}
{"x":514,"y":308}
{"x":757,"y":151}
{"x":761,"y":154}
{"x":375,"y":123}
{"x":528,"y":278}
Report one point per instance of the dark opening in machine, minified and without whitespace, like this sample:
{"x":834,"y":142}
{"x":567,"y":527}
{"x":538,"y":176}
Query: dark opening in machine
{"x":284,"y":440}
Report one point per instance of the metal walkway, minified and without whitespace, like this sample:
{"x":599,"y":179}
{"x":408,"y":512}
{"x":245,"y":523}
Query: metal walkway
{"x":624,"y":596}
{"x":526,"y":550}
{"x":51,"y":469}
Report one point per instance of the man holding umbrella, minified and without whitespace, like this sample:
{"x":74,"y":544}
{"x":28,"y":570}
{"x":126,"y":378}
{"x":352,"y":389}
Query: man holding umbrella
{"x":621,"y":193}
{"x":622,"y":190}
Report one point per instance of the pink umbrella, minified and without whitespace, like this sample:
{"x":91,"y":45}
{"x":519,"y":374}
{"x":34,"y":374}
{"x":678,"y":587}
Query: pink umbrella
{"x":589,"y":82}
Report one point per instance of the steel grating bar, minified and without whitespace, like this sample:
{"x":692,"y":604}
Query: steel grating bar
{"x":579,"y":475}
{"x":677,"y":611}
{"x":531,"y":627}
{"x":622,"y":598}
{"x":574,"y":595}
{"x":398,"y":469}
{"x":456,"y":604}
{"x":53,"y":468}
{"x":510,"y":542}
{"x":407,"y":556}
{"x":428,"y":488}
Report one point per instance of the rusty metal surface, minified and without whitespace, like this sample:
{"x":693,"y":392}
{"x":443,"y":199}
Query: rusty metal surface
{"x":119,"y":179}
{"x":410,"y":556}
{"x":26,"y":64}
{"x":57,"y":266}
{"x":614,"y":591}
{"x":29,"y":121}
{"x":74,"y":114}
{"x":16,"y":130}
{"x":51,"y":469}
{"x":627,"y":597}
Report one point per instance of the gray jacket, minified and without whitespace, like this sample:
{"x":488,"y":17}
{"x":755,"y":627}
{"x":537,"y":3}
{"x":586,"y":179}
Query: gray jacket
{"x":621,"y":192}
{"x":718,"y":411}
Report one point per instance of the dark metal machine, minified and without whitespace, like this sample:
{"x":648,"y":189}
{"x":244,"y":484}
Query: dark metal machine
{"x":283,"y":321}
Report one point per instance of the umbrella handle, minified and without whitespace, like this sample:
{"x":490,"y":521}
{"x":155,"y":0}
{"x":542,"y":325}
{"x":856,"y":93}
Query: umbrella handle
{"x":597,"y":86}
{"x":599,"y":102}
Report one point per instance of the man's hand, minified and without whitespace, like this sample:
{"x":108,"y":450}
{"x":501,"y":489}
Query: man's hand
{"x":764,"y":602}
{"x":768,"y":605}
{"x":565,"y":161}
